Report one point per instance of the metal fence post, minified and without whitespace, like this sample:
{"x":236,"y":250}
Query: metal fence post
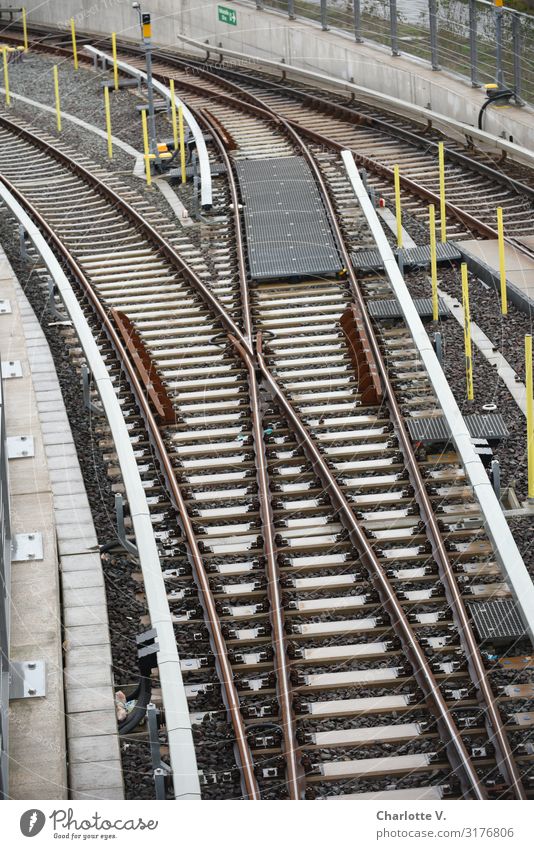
{"x":291,"y":9}
{"x":498,"y":46}
{"x":473,"y":46}
{"x":393,"y":27}
{"x":324,"y":15}
{"x":358,"y":21}
{"x":516,"y":36}
{"x":433,"y":20}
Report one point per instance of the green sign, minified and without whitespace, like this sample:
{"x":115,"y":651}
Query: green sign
{"x":227,"y":16}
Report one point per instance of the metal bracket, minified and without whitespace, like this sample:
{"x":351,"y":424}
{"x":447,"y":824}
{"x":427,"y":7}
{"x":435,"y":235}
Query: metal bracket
{"x":52,"y":289}
{"x":11,"y":369}
{"x":20,"y":446}
{"x":27,"y":547}
{"x":160,"y":769}
{"x":22,"y":244}
{"x":86,"y":383}
{"x":27,"y":679}
{"x":121,"y":530}
{"x":438,"y":347}
{"x":5,"y":306}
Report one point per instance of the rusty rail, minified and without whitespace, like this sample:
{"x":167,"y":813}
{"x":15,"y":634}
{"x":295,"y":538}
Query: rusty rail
{"x":244,"y":757}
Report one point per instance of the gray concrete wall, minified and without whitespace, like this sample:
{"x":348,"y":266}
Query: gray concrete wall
{"x":268,"y":34}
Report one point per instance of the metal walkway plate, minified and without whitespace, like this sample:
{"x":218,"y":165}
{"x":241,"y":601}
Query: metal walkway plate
{"x":497,"y":620}
{"x":287,"y":226}
{"x":420,"y":256}
{"x":490,"y":426}
{"x":385,"y":308}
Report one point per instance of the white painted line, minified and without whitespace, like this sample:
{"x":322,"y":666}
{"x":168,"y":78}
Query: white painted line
{"x":495,"y":523}
{"x":174,"y":202}
{"x":389,"y":219}
{"x":127,"y":148}
{"x":139,"y":168}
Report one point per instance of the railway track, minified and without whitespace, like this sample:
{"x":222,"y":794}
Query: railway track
{"x":339,"y":633}
{"x":476,"y":182}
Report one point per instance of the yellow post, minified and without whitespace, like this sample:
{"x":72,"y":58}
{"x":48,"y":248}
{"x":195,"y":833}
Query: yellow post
{"x":108,"y":121}
{"x":146,"y":148}
{"x":25,"y":30}
{"x":173,"y":114}
{"x":442,"y":208}
{"x":467,"y":335}
{"x":115,"y":66}
{"x":433,"y":262}
{"x":530,"y":414}
{"x":58,"y":105}
{"x":398,"y":210}
{"x":74,"y":48}
{"x":182,"y":141}
{"x":6,"y":76}
{"x":502,"y":264}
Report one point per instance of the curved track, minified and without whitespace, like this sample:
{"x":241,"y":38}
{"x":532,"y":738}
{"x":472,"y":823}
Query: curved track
{"x":238,"y":467}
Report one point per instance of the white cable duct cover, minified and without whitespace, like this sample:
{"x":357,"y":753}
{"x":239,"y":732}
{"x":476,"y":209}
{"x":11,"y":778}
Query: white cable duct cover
{"x":206,"y":194}
{"x":178,"y":723}
{"x":495,"y":522}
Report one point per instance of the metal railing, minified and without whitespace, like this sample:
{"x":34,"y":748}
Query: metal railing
{"x":474,"y":38}
{"x":5,"y":580}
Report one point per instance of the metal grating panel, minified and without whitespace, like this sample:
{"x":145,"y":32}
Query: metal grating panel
{"x":420,"y":256}
{"x":386,"y":308}
{"x":287,"y":227}
{"x":497,"y":620}
{"x":490,"y":426}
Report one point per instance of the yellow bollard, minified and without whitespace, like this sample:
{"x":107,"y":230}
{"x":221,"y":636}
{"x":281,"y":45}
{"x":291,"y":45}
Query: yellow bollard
{"x":115,"y":66}
{"x":433,"y":262}
{"x":6,"y":77}
{"x":58,"y":105}
{"x":146,"y":148}
{"x":108,"y":121}
{"x":173,"y":114}
{"x":182,"y":141}
{"x":74,"y":47}
{"x":442,"y":207}
{"x":502,"y":264}
{"x":530,"y":414}
{"x":398,"y":209}
{"x":467,"y":335}
{"x":25,"y":30}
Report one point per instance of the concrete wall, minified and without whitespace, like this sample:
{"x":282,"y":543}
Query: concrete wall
{"x":268,"y":34}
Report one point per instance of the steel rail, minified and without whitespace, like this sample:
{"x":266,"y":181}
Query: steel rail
{"x":230,"y":695}
{"x":250,"y":102}
{"x":458,"y":755}
{"x":353,"y":116}
{"x":457,"y":751}
{"x":181,"y":746}
{"x":462,"y":754}
{"x":470,"y":221}
{"x":496,"y":731}
{"x":295,"y":772}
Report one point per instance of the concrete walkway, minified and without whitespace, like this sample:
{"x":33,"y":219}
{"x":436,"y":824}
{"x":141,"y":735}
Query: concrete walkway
{"x":59,"y":612}
{"x":37,"y":767}
{"x":519,"y":266}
